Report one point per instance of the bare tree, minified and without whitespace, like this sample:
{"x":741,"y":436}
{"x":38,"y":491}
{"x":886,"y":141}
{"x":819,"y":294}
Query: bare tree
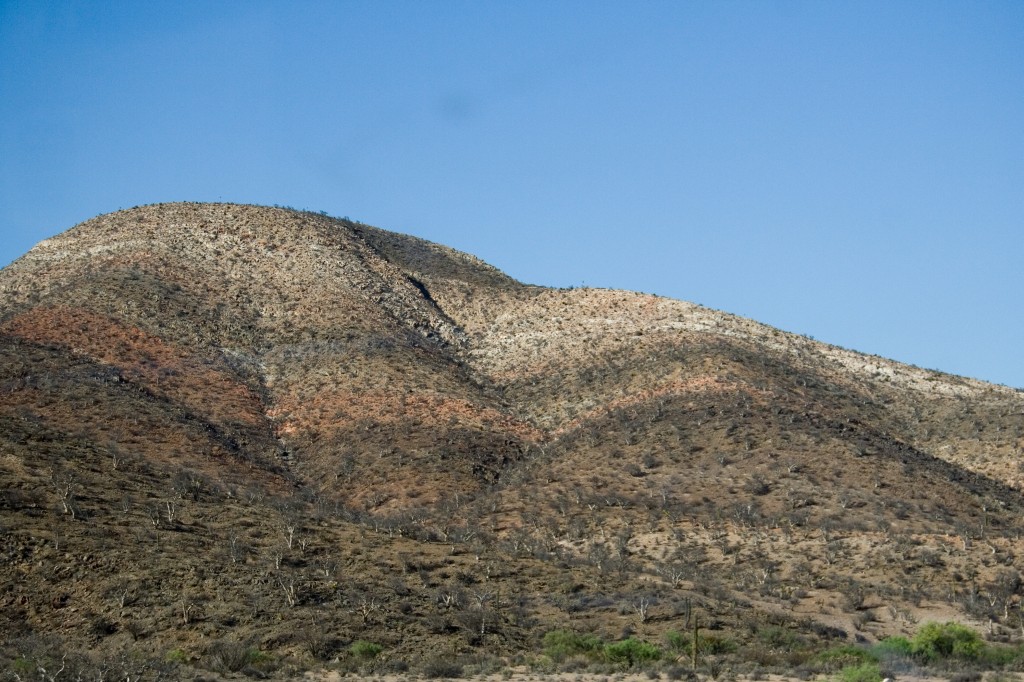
{"x":327,"y":565}
{"x":187,"y":605}
{"x":288,"y":587}
{"x":675,"y":574}
{"x":116,"y":458}
{"x":642,"y":606}
{"x":236,"y":549}
{"x":366,"y":607}
{"x":450,"y":598}
{"x":154,"y":514}
{"x":64,"y":483}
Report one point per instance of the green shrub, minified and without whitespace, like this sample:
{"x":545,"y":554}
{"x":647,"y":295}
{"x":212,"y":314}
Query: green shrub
{"x":365,"y":650}
{"x":893,"y":648}
{"x":676,"y":672}
{"x":712,"y":645}
{"x":844,"y":656}
{"x":680,"y":643}
{"x":23,"y":668}
{"x":677,"y":642}
{"x":947,"y":640}
{"x":1010,"y":657}
{"x":560,"y":644}
{"x":779,"y":638}
{"x":868,"y":671}
{"x":631,"y":652}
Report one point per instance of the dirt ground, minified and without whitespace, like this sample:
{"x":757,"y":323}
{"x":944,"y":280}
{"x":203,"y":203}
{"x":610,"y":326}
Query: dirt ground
{"x":525,"y":675}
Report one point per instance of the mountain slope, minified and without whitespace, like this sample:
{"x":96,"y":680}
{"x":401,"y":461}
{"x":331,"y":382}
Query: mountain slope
{"x":296,"y":398}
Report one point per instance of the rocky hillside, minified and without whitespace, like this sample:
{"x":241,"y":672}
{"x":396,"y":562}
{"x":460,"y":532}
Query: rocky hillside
{"x":234,"y":426}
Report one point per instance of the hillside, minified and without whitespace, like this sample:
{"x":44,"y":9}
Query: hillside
{"x":233,"y":429}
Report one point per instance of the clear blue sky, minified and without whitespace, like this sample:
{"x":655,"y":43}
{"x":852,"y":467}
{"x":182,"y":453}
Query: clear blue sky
{"x":849,"y":170}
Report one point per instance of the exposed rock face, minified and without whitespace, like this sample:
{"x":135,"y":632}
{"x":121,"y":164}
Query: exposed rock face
{"x":401,"y":382}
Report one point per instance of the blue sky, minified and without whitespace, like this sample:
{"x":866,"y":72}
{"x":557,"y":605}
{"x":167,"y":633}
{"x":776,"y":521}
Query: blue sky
{"x":849,"y":170}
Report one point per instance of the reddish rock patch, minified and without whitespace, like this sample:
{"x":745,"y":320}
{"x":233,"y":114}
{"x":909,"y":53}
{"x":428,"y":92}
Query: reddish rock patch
{"x":164,"y":368}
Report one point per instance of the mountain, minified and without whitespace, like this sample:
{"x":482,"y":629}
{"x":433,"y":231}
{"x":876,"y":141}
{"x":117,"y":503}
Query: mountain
{"x":246,"y":438}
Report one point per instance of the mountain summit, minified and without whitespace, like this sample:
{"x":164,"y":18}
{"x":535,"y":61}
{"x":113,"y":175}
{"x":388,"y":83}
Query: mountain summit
{"x":225,"y":424}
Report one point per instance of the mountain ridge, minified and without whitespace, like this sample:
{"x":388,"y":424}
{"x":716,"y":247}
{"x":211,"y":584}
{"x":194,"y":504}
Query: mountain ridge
{"x":217,"y":380}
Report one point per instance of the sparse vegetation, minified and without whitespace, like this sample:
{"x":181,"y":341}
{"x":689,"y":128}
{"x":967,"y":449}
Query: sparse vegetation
{"x":257,"y":442}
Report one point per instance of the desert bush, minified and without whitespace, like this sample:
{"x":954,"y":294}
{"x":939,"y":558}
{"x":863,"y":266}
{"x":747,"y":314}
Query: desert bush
{"x":227,"y":656}
{"x":868,"y":671}
{"x":480,"y":664}
{"x":441,"y":668}
{"x":560,"y":644}
{"x":189,"y":483}
{"x":757,"y":485}
{"x":893,"y":648}
{"x":713,"y":645}
{"x":677,"y":672}
{"x":677,"y":642}
{"x":437,"y":624}
{"x":935,"y":641}
{"x":631,"y":652}
{"x":49,"y":658}
{"x":682,"y":643}
{"x":1005,"y":657}
{"x":394,"y":667}
{"x":779,"y":638}
{"x":365,"y":650}
{"x":843,"y":657}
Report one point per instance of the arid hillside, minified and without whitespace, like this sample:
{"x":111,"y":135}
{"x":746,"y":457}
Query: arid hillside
{"x":260,"y":440}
